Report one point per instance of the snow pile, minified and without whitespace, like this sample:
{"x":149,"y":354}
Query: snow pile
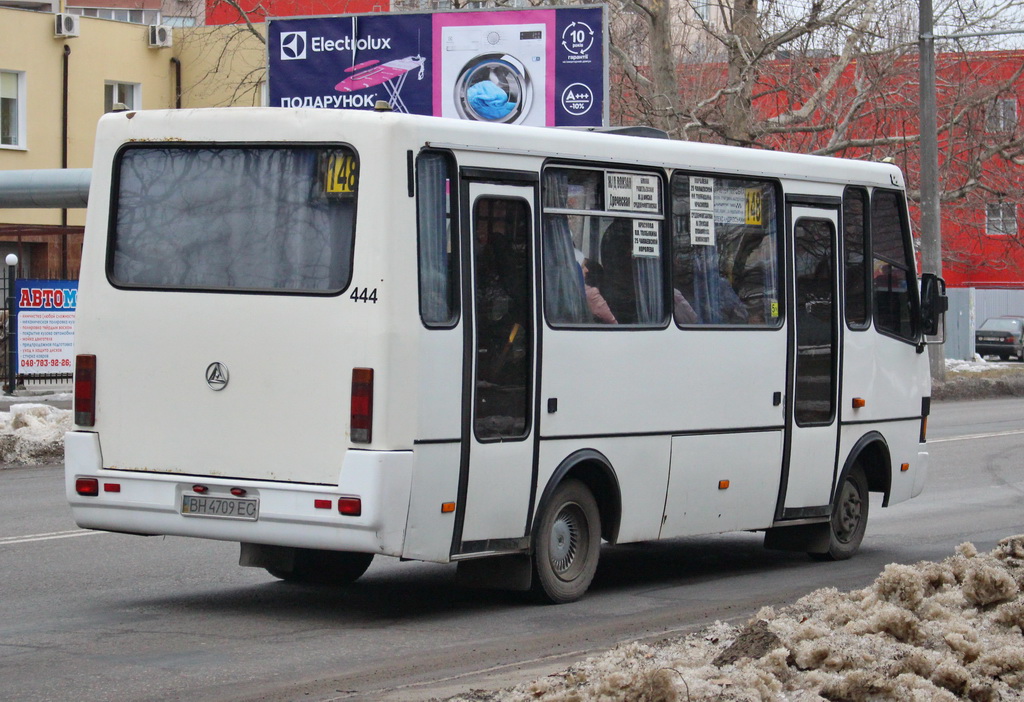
{"x":978,"y":365}
{"x":928,"y":632}
{"x":33,"y":434}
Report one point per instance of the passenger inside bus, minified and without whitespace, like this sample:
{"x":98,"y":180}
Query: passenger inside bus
{"x":592,"y":273}
{"x":617,"y":258}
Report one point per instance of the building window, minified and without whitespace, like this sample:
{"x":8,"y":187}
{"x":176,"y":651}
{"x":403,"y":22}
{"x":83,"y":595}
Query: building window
{"x":117,"y":94}
{"x":119,"y":14}
{"x":1001,"y":219}
{"x":1002,"y":115}
{"x":12,"y":109}
{"x":175,"y":21}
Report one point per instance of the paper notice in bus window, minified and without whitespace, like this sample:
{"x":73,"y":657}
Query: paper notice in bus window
{"x":702,"y":211}
{"x":632,"y":192}
{"x":646,"y":195}
{"x":340,"y":173}
{"x":730,"y":205}
{"x":646,"y":238}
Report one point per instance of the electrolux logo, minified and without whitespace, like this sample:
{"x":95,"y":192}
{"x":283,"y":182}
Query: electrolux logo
{"x":293,"y":46}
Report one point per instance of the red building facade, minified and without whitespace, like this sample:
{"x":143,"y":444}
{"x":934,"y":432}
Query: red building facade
{"x":981,"y":176}
{"x":220,"y":12}
{"x":872,"y":113}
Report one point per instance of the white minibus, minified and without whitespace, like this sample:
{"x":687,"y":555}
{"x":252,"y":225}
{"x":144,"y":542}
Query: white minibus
{"x":330,"y":335}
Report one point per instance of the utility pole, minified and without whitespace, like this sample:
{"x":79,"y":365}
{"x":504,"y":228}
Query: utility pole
{"x":931,"y":222}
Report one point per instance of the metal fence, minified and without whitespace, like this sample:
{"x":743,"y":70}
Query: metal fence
{"x":10,"y":379}
{"x":969,"y":307}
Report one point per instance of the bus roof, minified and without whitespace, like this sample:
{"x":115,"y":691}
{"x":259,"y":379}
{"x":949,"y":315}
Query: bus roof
{"x":276,"y":125}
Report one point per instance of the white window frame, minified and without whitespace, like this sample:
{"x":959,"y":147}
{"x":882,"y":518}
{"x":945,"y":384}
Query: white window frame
{"x":21,"y":126}
{"x":178,"y":21}
{"x":1001,"y":219}
{"x":1002,"y":115}
{"x":136,"y":92}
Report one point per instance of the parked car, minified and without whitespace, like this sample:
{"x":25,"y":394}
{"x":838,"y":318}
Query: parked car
{"x":1001,"y":336}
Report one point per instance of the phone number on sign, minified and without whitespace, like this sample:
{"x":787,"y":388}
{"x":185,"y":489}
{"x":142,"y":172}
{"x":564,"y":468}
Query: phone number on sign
{"x":46,"y":363}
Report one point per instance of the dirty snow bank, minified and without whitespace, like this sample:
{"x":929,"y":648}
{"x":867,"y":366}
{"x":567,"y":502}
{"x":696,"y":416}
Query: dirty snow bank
{"x":927,"y":632}
{"x":980,"y":379}
{"x":33,"y":434}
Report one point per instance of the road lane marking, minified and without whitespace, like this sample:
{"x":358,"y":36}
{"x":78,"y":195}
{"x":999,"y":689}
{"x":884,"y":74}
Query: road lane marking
{"x":8,"y":540}
{"x":977,"y":436}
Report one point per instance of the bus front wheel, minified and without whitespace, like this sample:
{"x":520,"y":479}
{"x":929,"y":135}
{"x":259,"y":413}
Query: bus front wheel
{"x":566,"y":544}
{"x":315,"y":567}
{"x":849,"y":517}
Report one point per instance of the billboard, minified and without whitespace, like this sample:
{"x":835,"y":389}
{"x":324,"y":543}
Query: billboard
{"x":45,"y":313}
{"x":541,"y":67}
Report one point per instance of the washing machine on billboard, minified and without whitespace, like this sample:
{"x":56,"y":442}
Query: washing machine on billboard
{"x":494,"y":73}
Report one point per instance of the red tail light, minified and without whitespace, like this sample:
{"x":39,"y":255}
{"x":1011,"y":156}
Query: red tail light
{"x":87,"y":487}
{"x":362,"y":405}
{"x":350,"y":506}
{"x":85,"y":390}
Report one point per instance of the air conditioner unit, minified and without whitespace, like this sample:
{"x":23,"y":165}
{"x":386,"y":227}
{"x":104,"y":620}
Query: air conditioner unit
{"x":65,"y":25}
{"x":160,"y":36}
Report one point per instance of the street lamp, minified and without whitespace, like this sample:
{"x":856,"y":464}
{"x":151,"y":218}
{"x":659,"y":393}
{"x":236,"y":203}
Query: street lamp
{"x":12,"y":272}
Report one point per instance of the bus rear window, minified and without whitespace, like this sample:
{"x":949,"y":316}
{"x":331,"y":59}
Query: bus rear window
{"x":268,"y":218}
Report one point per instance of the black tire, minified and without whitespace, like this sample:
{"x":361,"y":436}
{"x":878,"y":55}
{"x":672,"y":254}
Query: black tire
{"x":849,"y":517}
{"x":566,"y":544}
{"x":314,"y":567}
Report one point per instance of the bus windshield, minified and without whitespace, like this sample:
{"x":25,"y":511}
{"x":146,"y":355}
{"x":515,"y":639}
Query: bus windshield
{"x":254,"y":218}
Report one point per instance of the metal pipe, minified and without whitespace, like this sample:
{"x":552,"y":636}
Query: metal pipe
{"x":928,"y":166}
{"x":177,"y":82}
{"x":64,"y":163}
{"x":45,"y":188}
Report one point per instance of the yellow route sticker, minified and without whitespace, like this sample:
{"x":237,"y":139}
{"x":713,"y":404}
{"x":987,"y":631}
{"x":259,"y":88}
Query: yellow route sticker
{"x":753,"y":207}
{"x":341,"y":174}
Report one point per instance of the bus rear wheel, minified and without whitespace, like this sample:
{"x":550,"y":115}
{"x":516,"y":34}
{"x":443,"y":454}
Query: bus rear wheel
{"x":313,"y":567}
{"x":566,"y":544}
{"x":849,"y":517}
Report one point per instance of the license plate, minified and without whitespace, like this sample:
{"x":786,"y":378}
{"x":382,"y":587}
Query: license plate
{"x":220,"y":507}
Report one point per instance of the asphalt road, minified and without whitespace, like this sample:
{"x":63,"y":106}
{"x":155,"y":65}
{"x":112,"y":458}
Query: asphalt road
{"x":94,"y":616}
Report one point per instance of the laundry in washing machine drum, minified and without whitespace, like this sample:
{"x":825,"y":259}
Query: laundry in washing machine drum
{"x":488,"y":100}
{"x":494,"y":88}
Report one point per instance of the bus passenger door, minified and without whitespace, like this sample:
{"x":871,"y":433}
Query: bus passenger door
{"x":498,"y":432}
{"x":811,"y":413}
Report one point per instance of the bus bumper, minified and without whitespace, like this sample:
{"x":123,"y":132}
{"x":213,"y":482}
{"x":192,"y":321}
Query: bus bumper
{"x":921,"y":474}
{"x":287,"y":514}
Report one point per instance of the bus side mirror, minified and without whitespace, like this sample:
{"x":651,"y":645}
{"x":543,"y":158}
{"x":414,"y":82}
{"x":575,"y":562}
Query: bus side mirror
{"x":934,"y":304}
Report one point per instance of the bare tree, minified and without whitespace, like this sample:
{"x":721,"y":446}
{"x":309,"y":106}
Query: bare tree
{"x":832,"y":77}
{"x":222,"y":64}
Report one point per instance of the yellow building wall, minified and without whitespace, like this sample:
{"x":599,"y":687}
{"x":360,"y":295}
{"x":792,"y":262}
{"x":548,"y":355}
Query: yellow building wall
{"x":217,"y":66}
{"x":221,"y":66}
{"x":105,"y":51}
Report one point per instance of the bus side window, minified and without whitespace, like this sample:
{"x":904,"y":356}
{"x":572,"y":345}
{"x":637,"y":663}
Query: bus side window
{"x":855,"y":239}
{"x":602,"y":262}
{"x":725,"y":251}
{"x":438,"y":251}
{"x":895,"y":301}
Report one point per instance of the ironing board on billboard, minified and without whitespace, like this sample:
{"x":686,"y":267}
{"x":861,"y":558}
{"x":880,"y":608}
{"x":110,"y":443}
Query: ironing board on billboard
{"x":390,"y":75}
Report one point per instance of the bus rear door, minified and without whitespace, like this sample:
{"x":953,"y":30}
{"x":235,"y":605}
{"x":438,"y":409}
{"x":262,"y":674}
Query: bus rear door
{"x":499,"y":435}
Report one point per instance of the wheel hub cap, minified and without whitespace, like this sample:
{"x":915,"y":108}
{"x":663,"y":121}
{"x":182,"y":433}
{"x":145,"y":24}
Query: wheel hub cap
{"x":848,"y":515}
{"x":564,"y":541}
